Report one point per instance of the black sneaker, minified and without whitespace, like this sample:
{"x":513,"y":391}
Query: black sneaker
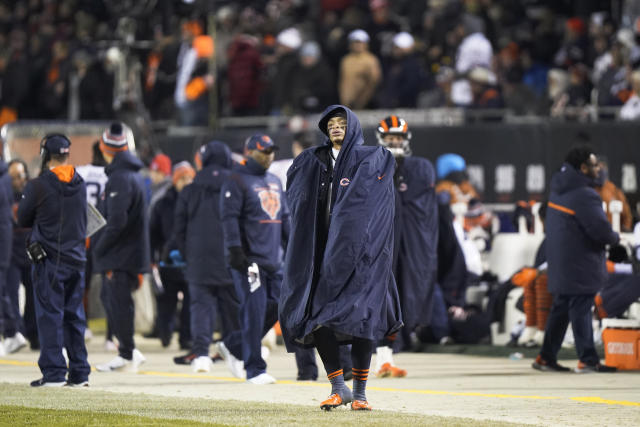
{"x":583,"y":368}
{"x":42,"y":383}
{"x":542,"y":365}
{"x":184,"y":360}
{"x":77,"y":384}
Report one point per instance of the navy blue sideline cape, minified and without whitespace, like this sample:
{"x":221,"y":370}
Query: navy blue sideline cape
{"x":416,"y":239}
{"x":353,"y":291}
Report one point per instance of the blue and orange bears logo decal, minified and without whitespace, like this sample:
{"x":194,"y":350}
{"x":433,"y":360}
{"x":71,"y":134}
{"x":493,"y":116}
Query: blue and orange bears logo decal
{"x":270,"y":202}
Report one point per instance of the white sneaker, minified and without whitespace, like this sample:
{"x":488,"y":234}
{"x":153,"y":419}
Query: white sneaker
{"x":384,"y":354}
{"x":110,"y":346}
{"x":265,"y":352}
{"x":527,"y":335}
{"x":138,"y":359}
{"x":14,"y":343}
{"x":235,"y":365}
{"x":270,"y":339}
{"x":116,"y":364}
{"x":538,"y":338}
{"x":201,"y":364}
{"x":262,"y":379}
{"x":3,"y":352}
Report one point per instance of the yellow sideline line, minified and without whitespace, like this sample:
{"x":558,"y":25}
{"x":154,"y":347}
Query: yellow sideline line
{"x":586,"y":399}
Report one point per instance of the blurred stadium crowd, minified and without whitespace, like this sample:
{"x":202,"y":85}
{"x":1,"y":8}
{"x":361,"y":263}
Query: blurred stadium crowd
{"x":89,"y":59}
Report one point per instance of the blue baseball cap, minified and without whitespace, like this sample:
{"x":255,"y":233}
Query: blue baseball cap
{"x":56,"y":144}
{"x":260,"y":142}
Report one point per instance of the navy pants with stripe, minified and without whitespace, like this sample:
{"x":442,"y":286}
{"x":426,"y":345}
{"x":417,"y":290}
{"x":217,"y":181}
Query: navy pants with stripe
{"x":58,"y":291}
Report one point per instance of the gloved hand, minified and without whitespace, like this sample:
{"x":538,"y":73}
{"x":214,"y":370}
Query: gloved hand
{"x":237,"y":259}
{"x":176,"y":258}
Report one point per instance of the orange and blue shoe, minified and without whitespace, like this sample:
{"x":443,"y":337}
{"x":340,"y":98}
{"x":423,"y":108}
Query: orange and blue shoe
{"x":360,"y":405}
{"x":335,"y":400}
{"x":388,"y":370}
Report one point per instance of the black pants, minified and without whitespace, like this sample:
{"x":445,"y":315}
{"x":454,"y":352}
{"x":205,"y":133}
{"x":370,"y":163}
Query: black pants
{"x":577,"y":310}
{"x":58,"y":291}
{"x":167,"y":304}
{"x":118,"y":304}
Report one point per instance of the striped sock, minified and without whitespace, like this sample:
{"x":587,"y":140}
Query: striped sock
{"x":360,"y":377}
{"x":337,"y":382}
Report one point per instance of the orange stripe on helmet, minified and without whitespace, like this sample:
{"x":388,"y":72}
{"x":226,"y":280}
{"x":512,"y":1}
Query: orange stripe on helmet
{"x":394,"y":121}
{"x":384,"y":125}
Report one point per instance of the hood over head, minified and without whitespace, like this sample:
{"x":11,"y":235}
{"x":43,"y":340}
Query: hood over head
{"x":353,"y":135}
{"x":568,"y":178}
{"x":215,"y":153}
{"x":124,"y":160}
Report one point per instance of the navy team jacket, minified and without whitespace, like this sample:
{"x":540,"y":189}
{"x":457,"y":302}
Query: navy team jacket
{"x":56,"y":211}
{"x":416,"y":238}
{"x":255,"y":214}
{"x":123,"y":244}
{"x":197,"y":226}
{"x":577,"y":232}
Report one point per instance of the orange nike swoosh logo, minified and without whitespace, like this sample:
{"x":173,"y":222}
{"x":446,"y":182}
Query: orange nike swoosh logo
{"x":260,"y":147}
{"x":380,"y":177}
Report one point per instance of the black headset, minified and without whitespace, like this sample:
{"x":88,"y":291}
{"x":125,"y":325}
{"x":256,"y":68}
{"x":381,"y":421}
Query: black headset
{"x":45,"y":155}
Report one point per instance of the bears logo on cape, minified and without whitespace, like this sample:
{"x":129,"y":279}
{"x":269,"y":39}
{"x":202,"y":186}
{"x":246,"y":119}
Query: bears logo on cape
{"x":270,"y":202}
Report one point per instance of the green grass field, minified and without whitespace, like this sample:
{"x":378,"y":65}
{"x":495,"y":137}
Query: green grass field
{"x":22,"y":405}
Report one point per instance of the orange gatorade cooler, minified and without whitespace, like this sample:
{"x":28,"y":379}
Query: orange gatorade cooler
{"x":621,"y":339}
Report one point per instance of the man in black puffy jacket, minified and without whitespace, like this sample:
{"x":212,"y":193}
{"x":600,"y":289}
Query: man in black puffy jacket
{"x":577,"y":234}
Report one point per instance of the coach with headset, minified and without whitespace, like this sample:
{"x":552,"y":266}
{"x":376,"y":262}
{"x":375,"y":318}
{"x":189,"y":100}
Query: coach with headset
{"x":54,"y":206}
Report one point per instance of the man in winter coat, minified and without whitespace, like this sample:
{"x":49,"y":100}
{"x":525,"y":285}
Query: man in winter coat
{"x":19,"y":271}
{"x":416,"y":236}
{"x":164,"y":253}
{"x":54,"y":206}
{"x":339,"y":285}
{"x":121,"y":248}
{"x":198,"y":235}
{"x":6,"y":228}
{"x":360,"y":72}
{"x":577,"y":234}
{"x":255,"y":224}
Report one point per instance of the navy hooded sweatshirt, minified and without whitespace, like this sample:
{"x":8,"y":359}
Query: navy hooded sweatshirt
{"x":56,"y":212}
{"x":197,"y":226}
{"x":340,"y":276}
{"x":123,"y":244}
{"x":255,"y":215}
{"x":577,"y":232}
